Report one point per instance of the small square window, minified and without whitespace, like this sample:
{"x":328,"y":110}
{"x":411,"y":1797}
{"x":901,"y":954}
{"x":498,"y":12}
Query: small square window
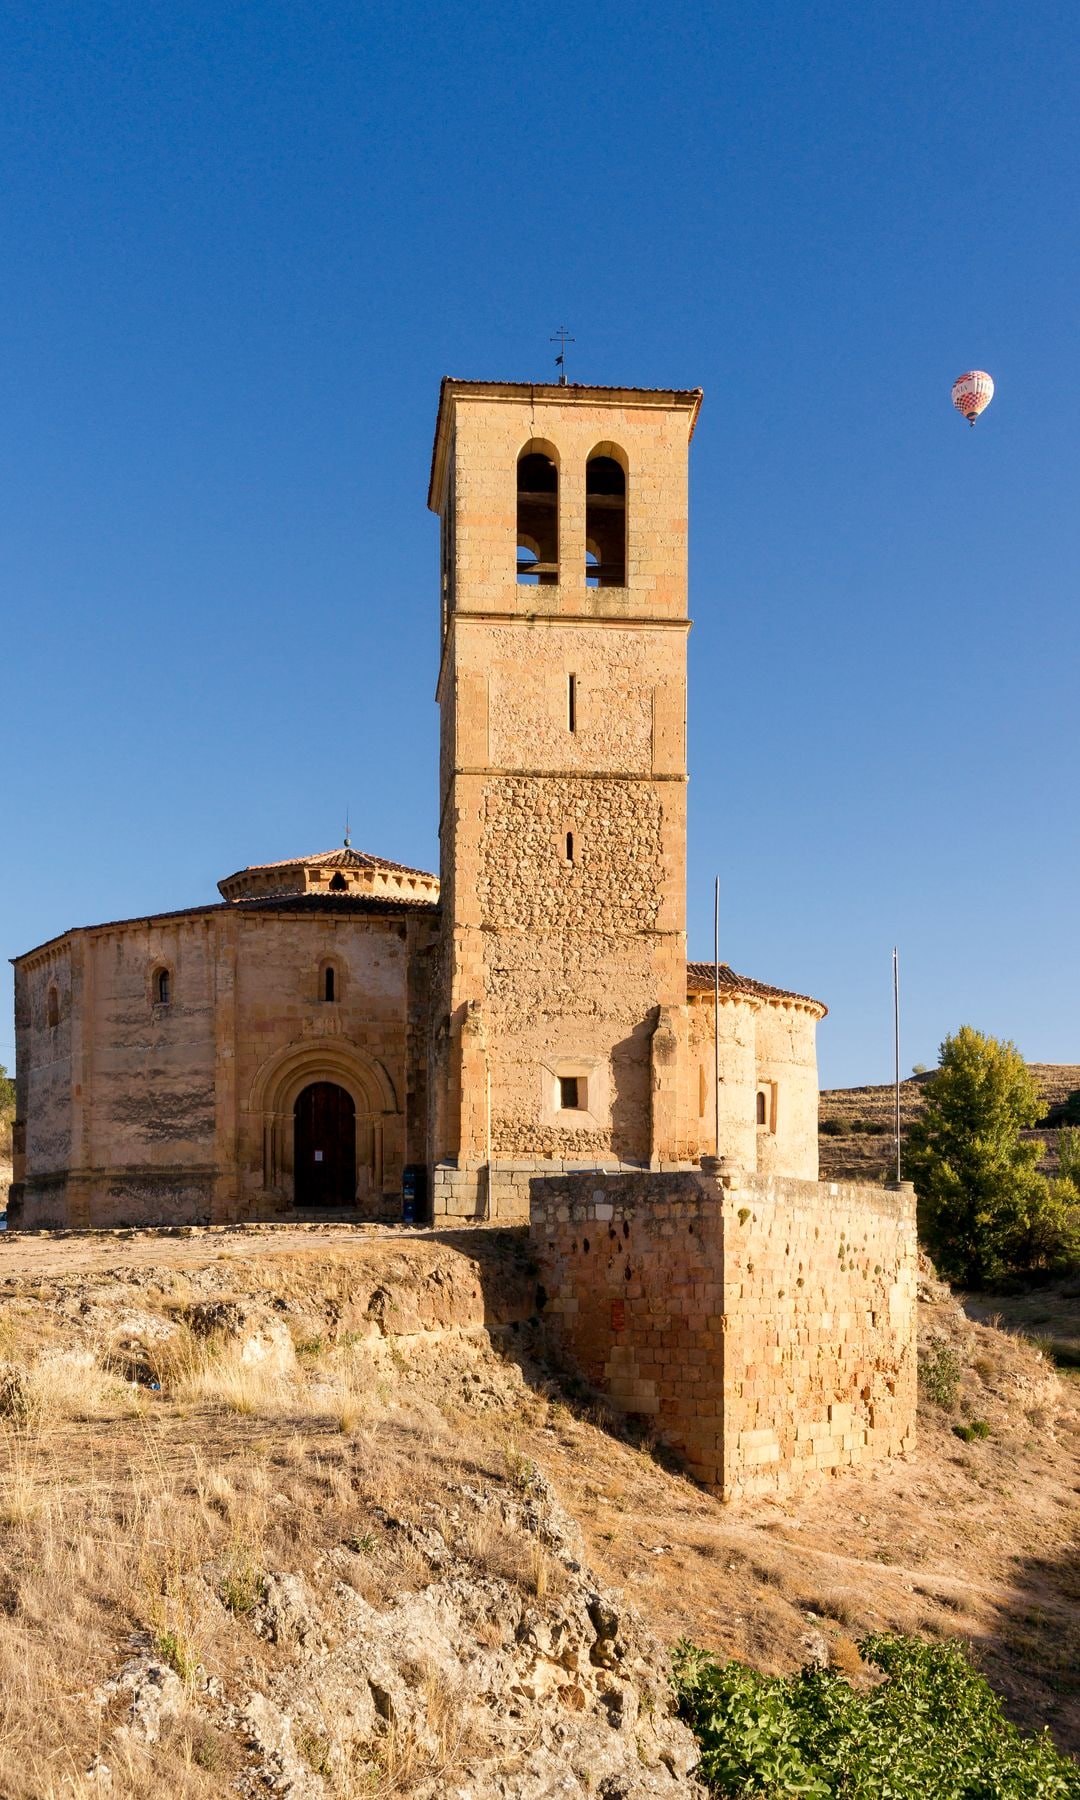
{"x":570,"y":1094}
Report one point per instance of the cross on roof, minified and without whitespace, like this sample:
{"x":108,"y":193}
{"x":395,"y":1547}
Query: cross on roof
{"x":562,"y":338}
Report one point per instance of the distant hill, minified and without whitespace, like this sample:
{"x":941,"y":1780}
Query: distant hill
{"x":856,"y":1125}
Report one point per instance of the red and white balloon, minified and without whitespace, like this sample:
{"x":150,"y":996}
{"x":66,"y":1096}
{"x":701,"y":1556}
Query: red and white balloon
{"x":972,"y":394}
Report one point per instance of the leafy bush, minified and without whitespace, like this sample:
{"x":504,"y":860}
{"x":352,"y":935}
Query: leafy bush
{"x":939,"y":1375}
{"x":1069,"y":1155}
{"x":1046,"y":1235}
{"x":985,"y":1212}
{"x":833,"y":1128}
{"x":968,"y":1433}
{"x":1070,"y":1111}
{"x":933,"y":1730}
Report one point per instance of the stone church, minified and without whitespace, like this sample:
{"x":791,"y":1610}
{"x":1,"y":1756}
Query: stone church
{"x":340,"y":1033}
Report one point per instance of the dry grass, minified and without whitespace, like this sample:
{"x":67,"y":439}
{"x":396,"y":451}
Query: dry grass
{"x":135,"y":1517}
{"x":144,"y":1519}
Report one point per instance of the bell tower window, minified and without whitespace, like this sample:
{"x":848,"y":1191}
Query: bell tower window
{"x":537,"y":519}
{"x":605,"y":522}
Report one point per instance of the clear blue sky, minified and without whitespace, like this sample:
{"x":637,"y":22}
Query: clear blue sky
{"x":242,"y":243}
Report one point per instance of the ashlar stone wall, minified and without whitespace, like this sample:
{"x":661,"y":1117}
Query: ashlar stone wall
{"x":563,"y":779}
{"x":766,"y":1325}
{"x":136,"y":1112}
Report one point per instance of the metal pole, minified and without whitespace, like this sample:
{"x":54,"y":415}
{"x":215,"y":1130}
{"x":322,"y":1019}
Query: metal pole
{"x":716,"y":1010}
{"x":896,"y":1047}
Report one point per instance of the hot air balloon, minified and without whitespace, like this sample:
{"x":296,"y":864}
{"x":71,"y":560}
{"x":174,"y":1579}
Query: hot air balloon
{"x":972,"y":393}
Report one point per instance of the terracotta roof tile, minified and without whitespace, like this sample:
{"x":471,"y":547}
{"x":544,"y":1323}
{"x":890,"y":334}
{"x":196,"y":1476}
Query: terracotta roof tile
{"x":353,"y":903}
{"x":343,"y":857}
{"x":700,"y":980}
{"x":369,"y":903}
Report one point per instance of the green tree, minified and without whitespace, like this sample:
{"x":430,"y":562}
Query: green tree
{"x":1069,"y":1155}
{"x":7,"y":1091}
{"x":979,"y":1190}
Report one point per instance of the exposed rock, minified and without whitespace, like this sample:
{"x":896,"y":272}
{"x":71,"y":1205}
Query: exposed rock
{"x":282,"y":1769}
{"x":262,"y":1339}
{"x":152,"y":1693}
{"x":528,"y":1699}
{"x":288,"y":1614}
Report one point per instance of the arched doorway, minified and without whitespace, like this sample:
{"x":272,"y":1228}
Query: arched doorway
{"x":324,"y":1146}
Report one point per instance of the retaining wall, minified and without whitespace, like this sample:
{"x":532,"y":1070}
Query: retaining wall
{"x":767,"y":1325}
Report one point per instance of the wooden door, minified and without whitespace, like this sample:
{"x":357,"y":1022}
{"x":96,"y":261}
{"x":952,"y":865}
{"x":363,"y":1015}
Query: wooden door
{"x":324,"y":1146}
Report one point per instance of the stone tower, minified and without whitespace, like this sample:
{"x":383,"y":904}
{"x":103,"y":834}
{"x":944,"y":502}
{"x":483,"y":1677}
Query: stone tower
{"x":561,"y":993}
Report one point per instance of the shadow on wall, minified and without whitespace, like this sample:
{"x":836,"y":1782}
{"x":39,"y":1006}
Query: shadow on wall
{"x":514,"y":1303}
{"x":1029,"y":1648}
{"x":630,"y":1095}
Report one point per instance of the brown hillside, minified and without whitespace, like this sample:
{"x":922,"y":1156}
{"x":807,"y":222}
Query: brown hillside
{"x":864,"y":1150}
{"x":325,"y":1521}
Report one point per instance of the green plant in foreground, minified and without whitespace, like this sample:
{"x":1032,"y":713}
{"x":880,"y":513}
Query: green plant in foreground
{"x":176,"y":1649}
{"x":968,"y":1433}
{"x":243,"y":1585}
{"x":939,"y":1375}
{"x":933,"y":1730}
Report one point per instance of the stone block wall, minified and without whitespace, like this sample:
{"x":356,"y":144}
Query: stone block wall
{"x":563,"y":778}
{"x":766,"y":1325}
{"x":465,"y":1192}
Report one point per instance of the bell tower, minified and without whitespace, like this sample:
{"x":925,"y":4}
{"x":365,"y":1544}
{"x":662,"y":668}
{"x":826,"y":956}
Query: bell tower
{"x":561,"y":995}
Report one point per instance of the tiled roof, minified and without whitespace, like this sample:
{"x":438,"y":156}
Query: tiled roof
{"x":370,"y":903}
{"x":573,"y":387}
{"x":349,"y":903}
{"x":700,"y":979}
{"x":343,"y":857}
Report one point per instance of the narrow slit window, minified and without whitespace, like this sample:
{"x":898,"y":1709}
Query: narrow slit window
{"x":162,"y":987}
{"x":762,"y":1110}
{"x":605,"y":522}
{"x":329,"y":985}
{"x":570,"y":1098}
{"x":52,"y":1008}
{"x":569,"y":846}
{"x":537,"y":520}
{"x":571,"y":702}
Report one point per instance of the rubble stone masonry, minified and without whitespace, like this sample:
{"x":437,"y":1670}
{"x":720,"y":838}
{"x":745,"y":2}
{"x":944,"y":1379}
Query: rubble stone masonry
{"x":766,"y":1325}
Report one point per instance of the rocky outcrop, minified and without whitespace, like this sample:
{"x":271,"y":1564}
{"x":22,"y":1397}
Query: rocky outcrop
{"x":523,"y":1682}
{"x":486,"y":1692}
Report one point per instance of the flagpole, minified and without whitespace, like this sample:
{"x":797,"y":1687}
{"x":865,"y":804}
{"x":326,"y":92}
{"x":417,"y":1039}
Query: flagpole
{"x":896,"y":1047}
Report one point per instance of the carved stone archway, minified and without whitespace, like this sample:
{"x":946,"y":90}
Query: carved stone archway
{"x":282,"y":1079}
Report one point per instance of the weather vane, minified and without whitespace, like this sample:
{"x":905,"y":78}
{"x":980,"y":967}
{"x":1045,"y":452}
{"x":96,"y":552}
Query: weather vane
{"x":348,"y":838}
{"x":562,"y":338}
